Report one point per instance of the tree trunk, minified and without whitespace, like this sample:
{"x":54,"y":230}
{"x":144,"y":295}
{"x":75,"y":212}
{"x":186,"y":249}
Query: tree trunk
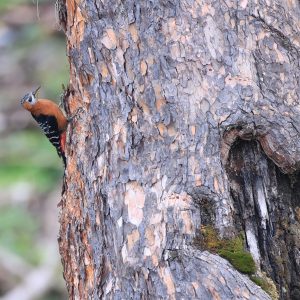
{"x":190,"y":119}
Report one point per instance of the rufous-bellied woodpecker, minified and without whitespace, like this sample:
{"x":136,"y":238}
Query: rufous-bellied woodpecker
{"x":50,"y":118}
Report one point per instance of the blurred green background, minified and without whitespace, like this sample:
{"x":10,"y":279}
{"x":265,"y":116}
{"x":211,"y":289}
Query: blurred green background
{"x":32,"y":53}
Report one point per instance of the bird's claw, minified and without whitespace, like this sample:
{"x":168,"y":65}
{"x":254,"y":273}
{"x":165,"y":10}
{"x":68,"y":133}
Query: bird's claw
{"x":70,"y":119}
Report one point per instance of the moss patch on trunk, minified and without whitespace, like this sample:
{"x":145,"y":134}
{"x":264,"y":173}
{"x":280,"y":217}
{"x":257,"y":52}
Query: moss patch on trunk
{"x":230,"y":249}
{"x":234,"y":251}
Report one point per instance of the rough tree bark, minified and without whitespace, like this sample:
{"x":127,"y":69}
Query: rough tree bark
{"x":190,"y":117}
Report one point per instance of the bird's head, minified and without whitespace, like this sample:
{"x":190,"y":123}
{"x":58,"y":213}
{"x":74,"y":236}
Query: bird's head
{"x":30,"y":99}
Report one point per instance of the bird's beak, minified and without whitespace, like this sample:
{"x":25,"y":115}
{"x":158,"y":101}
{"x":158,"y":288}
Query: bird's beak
{"x":35,"y":92}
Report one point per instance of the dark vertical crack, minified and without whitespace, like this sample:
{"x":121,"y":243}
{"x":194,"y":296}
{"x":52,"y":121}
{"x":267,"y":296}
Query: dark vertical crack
{"x":250,"y":172}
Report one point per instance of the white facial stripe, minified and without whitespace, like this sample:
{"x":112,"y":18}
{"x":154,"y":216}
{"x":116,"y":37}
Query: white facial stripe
{"x":31,"y":99}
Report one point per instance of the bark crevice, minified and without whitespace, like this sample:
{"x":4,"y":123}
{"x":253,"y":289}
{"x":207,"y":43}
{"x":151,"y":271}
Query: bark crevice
{"x":266,"y":208}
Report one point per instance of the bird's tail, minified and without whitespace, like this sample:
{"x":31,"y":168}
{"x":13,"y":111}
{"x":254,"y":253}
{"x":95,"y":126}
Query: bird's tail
{"x":64,"y":159}
{"x":63,"y":147}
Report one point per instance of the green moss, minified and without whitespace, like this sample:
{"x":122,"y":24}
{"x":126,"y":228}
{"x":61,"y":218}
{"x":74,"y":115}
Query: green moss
{"x":234,"y":251}
{"x":259,"y":281}
{"x":241,"y":260}
{"x":209,"y":239}
{"x":230,"y":249}
{"x":266,"y":284}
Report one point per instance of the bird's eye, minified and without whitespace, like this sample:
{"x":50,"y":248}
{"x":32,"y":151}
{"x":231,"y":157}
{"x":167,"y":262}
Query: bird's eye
{"x":30,"y":100}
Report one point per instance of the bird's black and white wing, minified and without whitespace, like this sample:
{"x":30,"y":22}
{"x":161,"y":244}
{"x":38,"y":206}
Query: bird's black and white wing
{"x":50,"y":128}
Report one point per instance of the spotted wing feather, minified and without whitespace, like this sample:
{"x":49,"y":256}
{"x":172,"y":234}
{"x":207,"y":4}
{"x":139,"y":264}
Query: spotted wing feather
{"x":50,"y":128}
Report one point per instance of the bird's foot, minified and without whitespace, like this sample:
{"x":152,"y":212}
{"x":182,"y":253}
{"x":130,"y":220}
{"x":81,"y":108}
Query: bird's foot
{"x":71,"y":118}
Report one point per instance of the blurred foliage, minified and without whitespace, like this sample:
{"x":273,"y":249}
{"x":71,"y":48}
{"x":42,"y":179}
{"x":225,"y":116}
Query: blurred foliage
{"x":18,"y":229}
{"x":42,"y":167}
{"x":4,"y":4}
{"x":52,"y":295}
{"x":37,"y":56}
{"x":32,"y":53}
